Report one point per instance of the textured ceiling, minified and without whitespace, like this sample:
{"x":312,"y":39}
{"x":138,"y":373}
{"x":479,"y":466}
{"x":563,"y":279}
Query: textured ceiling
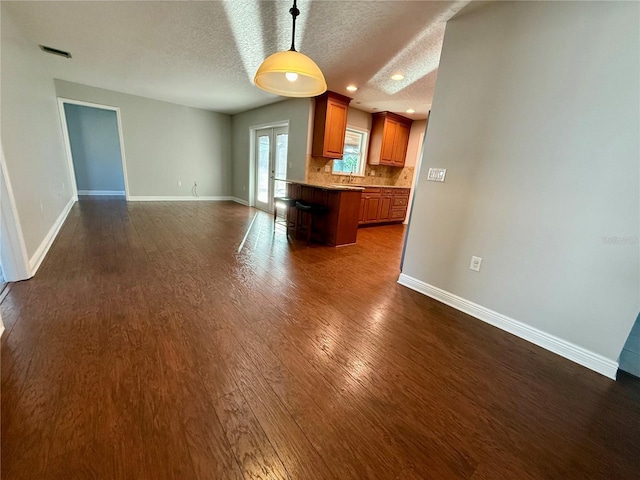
{"x":204,"y":54}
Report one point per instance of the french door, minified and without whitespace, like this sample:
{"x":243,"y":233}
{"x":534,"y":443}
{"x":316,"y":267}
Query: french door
{"x":271,"y":165}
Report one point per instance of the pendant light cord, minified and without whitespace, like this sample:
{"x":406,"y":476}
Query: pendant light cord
{"x":294,"y":13}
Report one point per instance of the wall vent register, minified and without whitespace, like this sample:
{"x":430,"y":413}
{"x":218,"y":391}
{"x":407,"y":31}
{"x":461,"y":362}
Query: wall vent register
{"x":55,"y":51}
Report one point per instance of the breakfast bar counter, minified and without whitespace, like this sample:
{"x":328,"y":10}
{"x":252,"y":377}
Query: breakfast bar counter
{"x":338,"y":226}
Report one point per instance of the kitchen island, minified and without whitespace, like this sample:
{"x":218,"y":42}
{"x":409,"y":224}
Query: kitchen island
{"x":339,"y":225}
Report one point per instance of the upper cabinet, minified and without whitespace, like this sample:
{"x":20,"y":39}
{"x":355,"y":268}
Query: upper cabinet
{"x":330,"y":125}
{"x":389,"y":139}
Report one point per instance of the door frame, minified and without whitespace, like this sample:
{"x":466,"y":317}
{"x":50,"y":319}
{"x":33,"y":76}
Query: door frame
{"x":15,"y":260}
{"x":416,"y":178}
{"x":252,"y":155}
{"x":67,"y":142}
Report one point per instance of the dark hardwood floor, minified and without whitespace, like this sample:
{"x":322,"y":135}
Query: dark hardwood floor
{"x":149,"y":347}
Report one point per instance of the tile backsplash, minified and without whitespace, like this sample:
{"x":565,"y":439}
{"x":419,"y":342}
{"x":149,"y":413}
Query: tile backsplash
{"x":399,"y":177}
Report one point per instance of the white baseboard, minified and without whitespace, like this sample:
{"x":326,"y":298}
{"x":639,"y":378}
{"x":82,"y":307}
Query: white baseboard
{"x":180,"y":199}
{"x":102,"y":193}
{"x":568,"y":350}
{"x":36,"y":260}
{"x":240,"y":201}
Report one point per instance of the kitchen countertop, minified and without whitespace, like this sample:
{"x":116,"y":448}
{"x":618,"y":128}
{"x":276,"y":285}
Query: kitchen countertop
{"x":361,"y":185}
{"x":341,"y":186}
{"x":337,"y":187}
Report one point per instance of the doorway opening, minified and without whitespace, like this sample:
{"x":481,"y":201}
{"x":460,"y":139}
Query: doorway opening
{"x":416,"y":176}
{"x":93,"y":139}
{"x":270,"y":147}
{"x":14,"y":263}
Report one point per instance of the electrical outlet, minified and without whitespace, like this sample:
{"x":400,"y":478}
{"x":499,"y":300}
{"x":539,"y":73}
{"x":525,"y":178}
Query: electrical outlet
{"x":327,"y":168}
{"x":373,"y":173}
{"x":179,"y":183}
{"x":475,"y":263}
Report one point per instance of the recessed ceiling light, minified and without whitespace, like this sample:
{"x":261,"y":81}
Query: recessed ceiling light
{"x":411,"y":110}
{"x":352,"y":88}
{"x":397,"y":76}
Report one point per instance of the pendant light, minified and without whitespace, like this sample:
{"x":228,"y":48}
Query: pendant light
{"x":290,"y":73}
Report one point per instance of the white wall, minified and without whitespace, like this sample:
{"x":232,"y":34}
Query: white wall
{"x":359,"y":119}
{"x":296,"y":112}
{"x":536,"y":119}
{"x":416,"y":135}
{"x":165,"y":143}
{"x":31,"y":139}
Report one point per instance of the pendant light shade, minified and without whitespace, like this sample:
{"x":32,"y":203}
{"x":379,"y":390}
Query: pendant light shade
{"x":290,"y":73}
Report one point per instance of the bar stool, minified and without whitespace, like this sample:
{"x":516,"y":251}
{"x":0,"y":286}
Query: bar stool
{"x":308,"y":210}
{"x":287,"y":203}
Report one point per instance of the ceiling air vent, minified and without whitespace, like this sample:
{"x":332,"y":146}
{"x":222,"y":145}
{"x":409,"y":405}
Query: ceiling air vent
{"x":55,"y":51}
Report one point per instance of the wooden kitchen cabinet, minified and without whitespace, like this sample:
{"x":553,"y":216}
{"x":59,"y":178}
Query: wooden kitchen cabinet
{"x":371,"y":208}
{"x":399,"y":204}
{"x":385,"y":208}
{"x":383,"y":205}
{"x":389,"y":139}
{"x":330,"y":125}
{"x":339,"y":225}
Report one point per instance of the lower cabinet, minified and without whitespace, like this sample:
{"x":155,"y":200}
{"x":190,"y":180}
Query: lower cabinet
{"x":371,"y":207}
{"x":382,"y":205}
{"x":385,"y":207}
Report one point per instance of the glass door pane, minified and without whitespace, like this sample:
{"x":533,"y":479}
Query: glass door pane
{"x":263,"y":145}
{"x":271,"y":146}
{"x":280,"y":170}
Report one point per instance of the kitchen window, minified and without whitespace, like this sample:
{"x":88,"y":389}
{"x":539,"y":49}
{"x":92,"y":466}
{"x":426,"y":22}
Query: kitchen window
{"x":354,"y":157}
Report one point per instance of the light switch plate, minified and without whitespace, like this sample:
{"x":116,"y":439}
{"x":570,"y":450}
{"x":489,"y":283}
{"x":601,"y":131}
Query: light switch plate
{"x":436,"y":174}
{"x":475,"y":263}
